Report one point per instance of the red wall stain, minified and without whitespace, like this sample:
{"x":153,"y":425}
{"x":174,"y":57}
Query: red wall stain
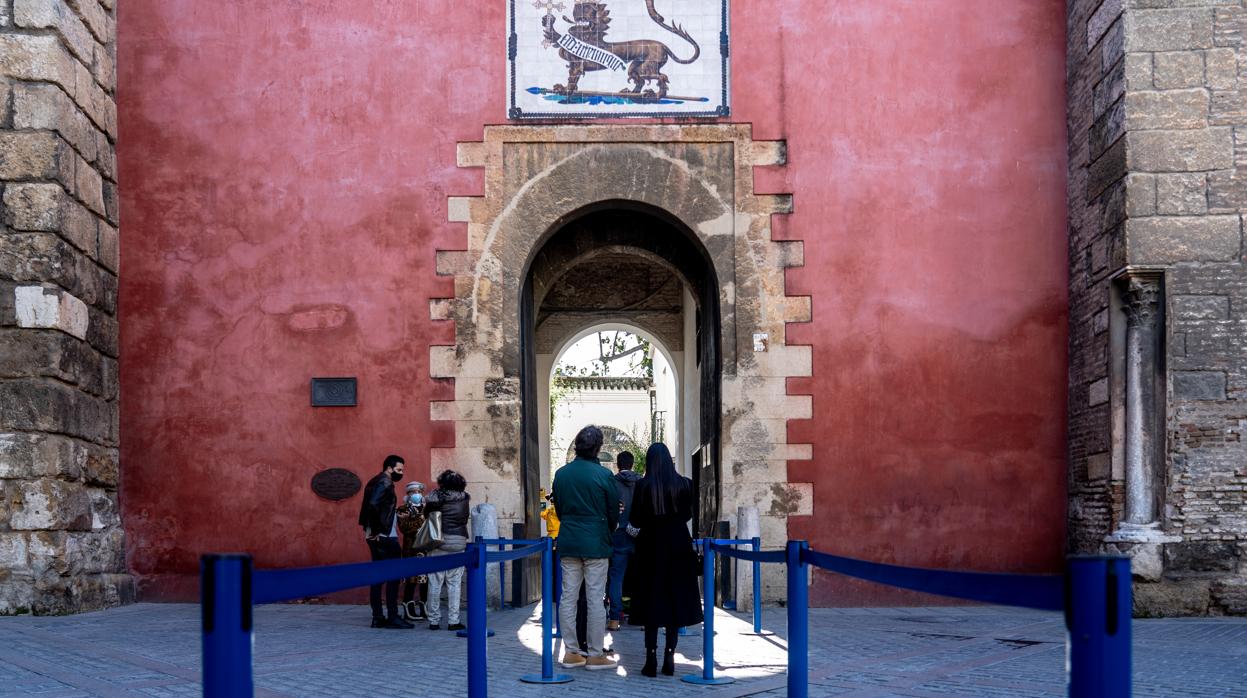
{"x":284,"y":174}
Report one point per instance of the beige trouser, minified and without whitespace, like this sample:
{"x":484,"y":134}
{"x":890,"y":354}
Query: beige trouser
{"x":590,"y":571}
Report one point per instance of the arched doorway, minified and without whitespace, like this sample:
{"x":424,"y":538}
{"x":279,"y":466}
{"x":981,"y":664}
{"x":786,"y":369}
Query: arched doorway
{"x":542,"y":187}
{"x":633,"y":265}
{"x":558,"y":414}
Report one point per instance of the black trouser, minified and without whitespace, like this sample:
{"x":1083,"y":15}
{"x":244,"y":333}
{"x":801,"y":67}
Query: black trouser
{"x":409,"y":590}
{"x":582,"y":619}
{"x":384,"y":548}
{"x":651,"y":637}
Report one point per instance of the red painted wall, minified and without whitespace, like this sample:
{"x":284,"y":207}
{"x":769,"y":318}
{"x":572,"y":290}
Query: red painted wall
{"x":284,"y":174}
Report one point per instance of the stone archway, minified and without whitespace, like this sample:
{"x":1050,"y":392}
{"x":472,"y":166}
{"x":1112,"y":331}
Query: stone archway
{"x":657,"y":274}
{"x":537,"y":178}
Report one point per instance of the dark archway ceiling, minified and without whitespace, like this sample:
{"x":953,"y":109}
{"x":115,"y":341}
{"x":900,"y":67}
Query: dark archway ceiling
{"x":612,"y":286}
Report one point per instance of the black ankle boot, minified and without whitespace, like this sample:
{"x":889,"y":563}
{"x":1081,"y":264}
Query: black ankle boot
{"x":651,"y":664}
{"x":668,"y":661}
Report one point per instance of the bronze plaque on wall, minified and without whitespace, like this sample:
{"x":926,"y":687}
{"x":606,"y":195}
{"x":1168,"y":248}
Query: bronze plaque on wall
{"x":336,"y":484}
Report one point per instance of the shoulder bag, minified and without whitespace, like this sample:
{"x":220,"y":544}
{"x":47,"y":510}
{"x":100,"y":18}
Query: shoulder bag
{"x":429,"y":537}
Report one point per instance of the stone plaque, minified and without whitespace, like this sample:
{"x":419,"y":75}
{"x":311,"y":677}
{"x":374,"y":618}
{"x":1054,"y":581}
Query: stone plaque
{"x":613,"y":58}
{"x":333,"y":392}
{"x":336,"y":484}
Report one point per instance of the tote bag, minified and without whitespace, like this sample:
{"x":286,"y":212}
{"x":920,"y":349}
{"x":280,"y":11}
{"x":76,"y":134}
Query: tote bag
{"x":429,"y":537}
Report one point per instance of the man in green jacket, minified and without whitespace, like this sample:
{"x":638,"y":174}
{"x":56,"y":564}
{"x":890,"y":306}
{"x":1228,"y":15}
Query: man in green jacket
{"x":588,"y":504}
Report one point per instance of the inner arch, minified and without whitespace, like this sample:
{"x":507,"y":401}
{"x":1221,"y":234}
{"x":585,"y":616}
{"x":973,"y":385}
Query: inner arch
{"x":545,"y":370}
{"x":625,"y":264}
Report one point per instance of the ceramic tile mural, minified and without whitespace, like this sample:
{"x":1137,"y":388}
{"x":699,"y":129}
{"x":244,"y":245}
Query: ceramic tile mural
{"x":612,"y":58}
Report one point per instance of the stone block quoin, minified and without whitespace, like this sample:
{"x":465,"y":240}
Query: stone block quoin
{"x":1157,"y":126}
{"x":62,"y":548}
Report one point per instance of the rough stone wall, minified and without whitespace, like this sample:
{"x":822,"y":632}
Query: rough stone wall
{"x":1158,"y":127}
{"x":61,"y":543}
{"x":1096,"y":191}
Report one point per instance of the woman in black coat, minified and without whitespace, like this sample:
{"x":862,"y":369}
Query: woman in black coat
{"x":664,"y":566}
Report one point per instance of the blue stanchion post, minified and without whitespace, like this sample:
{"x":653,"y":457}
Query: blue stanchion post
{"x":225,"y":601}
{"x":707,"y":677}
{"x":489,"y":632}
{"x":477,"y":648}
{"x":558,"y":593}
{"x":502,"y":579}
{"x":756,"y":545}
{"x":547,"y":674}
{"x":1097,"y":616}
{"x":798,"y":620}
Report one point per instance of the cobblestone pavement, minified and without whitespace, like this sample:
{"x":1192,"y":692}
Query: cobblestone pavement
{"x":153,"y":649}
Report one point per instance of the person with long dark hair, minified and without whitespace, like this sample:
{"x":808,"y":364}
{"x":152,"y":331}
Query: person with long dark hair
{"x":664,"y":564}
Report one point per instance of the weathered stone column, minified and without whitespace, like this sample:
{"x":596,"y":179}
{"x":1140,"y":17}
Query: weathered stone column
{"x":62,"y":547}
{"x":1139,"y":534}
{"x":1140,"y":307}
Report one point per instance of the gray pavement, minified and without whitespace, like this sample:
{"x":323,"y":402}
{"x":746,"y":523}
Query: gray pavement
{"x":305,"y":650}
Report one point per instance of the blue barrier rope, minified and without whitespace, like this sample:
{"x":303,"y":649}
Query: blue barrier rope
{"x":1042,"y":591}
{"x":725,"y":541}
{"x":509,"y":541}
{"x":755,"y":555}
{"x":751,"y":555}
{"x":1098,"y":613}
{"x":269,"y":586}
{"x":509,"y":555}
{"x":502,"y":543}
{"x":231,"y":588}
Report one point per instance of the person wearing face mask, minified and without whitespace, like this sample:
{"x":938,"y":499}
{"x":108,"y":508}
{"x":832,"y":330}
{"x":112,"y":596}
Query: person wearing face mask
{"x":378,"y":517}
{"x":410,"y":519}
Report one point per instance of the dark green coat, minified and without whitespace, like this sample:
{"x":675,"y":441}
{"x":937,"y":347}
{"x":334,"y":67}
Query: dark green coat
{"x":587,"y":501}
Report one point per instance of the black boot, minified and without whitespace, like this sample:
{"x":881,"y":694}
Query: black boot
{"x":651,"y":664}
{"x":668,"y":662}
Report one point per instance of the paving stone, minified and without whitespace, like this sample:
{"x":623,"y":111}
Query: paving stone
{"x":310,"y":650}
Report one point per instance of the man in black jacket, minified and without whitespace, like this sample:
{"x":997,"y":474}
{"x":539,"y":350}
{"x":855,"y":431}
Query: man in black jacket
{"x":377,"y":516}
{"x":625,"y":481}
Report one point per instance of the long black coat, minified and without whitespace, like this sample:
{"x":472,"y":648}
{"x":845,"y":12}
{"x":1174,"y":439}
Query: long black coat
{"x":663,"y":570}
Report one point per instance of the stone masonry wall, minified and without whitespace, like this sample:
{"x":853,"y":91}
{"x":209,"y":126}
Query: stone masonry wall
{"x":1096,"y":213}
{"x":1158,"y":131}
{"x":62,"y":548}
